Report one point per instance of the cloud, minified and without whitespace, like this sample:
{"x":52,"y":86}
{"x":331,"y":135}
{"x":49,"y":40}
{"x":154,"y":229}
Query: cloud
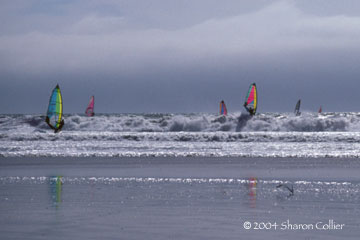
{"x":159,"y":56}
{"x":97,"y":25}
{"x":107,"y":43}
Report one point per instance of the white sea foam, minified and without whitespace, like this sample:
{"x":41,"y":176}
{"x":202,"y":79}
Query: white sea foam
{"x":236,"y":122}
{"x":84,"y":180}
{"x":141,"y":135}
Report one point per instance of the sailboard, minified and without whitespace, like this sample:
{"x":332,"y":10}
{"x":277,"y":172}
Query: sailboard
{"x":90,"y":108}
{"x":223,"y":109}
{"x":54,"y":115}
{"x":297,"y":108}
{"x":320,"y":110}
{"x":251,"y":99}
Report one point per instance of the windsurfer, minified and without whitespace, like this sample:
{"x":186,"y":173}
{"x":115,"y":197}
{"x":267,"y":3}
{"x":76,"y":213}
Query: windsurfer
{"x":223,"y":110}
{"x":249,"y":109}
{"x":60,"y":126}
{"x":62,"y":122}
{"x":90,"y":108}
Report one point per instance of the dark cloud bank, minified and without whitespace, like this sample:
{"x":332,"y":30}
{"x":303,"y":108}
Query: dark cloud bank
{"x":152,"y":56}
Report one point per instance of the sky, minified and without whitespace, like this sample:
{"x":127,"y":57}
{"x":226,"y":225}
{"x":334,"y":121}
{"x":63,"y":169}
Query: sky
{"x":146,"y":56}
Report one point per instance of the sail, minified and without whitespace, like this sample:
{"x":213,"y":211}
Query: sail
{"x":55,"y":109}
{"x":297,"y":108}
{"x":90,"y":108}
{"x":320,"y":110}
{"x":223,"y":110}
{"x":251,"y":99}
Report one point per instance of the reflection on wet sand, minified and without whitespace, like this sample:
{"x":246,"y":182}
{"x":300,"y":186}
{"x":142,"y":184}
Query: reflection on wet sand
{"x":252,"y":191}
{"x":55,"y":189}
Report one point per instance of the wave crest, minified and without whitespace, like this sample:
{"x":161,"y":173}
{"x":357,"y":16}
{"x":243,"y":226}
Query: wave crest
{"x":237,"y":122}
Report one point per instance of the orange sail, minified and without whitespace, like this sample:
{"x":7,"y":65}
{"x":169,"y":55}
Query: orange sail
{"x":223,"y":109}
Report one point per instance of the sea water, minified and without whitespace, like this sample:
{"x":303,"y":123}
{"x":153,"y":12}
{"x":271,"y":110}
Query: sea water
{"x":184,"y":135}
{"x":180,"y":176}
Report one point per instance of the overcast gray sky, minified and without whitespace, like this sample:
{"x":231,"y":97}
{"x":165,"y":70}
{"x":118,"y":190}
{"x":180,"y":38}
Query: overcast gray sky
{"x":180,"y":55}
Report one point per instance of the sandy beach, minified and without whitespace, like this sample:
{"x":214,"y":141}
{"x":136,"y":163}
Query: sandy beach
{"x":179,"y":198}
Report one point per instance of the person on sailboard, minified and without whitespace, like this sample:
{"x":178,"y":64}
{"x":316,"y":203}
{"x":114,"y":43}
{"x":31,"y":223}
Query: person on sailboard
{"x":56,"y":130}
{"x":249,"y":109}
{"x":251,"y":100}
{"x":62,"y":122}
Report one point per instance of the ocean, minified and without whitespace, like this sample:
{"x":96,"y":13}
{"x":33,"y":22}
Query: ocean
{"x":186,"y":135}
{"x":181,"y":176}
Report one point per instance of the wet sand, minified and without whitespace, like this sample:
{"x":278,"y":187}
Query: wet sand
{"x":178,"y":198}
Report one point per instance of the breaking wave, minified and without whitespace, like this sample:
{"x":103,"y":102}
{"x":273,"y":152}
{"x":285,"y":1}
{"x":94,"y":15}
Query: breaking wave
{"x":295,"y":137}
{"x":237,"y":122}
{"x":154,"y":135}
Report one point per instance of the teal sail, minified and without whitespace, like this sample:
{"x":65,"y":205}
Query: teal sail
{"x":55,"y":110}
